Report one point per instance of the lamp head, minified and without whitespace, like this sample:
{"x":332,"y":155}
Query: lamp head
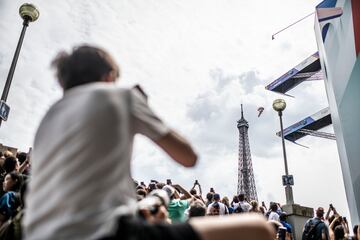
{"x":279,"y":105}
{"x":29,"y":12}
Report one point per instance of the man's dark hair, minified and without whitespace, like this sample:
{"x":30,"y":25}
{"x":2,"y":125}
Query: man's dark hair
{"x":339,"y":232}
{"x":21,"y":156}
{"x":273,"y":207}
{"x":355,"y":229}
{"x":209,"y":196}
{"x":9,"y":164}
{"x":160,"y":185}
{"x":86,"y":64}
{"x":319,"y":212}
{"x":331,"y":218}
{"x":141,"y":192}
{"x":216,"y":197}
{"x":197,"y":209}
{"x":152,"y":187}
{"x":193,"y":191}
{"x":216,"y":205}
{"x":16,"y":177}
{"x":241,"y":197}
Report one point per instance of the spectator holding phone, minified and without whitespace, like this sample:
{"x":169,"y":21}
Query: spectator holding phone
{"x":235,"y":202}
{"x":273,"y":215}
{"x":10,"y":201}
{"x":153,"y":207}
{"x":334,"y":214}
{"x":209,"y":198}
{"x":24,"y":161}
{"x":194,"y":193}
{"x":178,"y":206}
{"x":283,"y":221}
{"x":151,"y":187}
{"x":84,"y":145}
{"x":338,"y":229}
{"x":356,"y":232}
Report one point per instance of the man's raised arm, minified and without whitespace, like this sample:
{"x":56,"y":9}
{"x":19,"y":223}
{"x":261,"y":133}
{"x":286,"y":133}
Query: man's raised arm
{"x":177,"y":148}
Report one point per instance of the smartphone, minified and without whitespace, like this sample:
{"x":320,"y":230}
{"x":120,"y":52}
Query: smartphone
{"x":168,"y":182}
{"x":28,"y":156}
{"x":196,"y":182}
{"x":281,"y":233}
{"x":152,"y":186}
{"x":212,"y":190}
{"x":141,"y":91}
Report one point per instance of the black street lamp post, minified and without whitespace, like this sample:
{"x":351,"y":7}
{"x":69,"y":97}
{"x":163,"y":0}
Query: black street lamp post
{"x":29,"y":13}
{"x":279,"y":105}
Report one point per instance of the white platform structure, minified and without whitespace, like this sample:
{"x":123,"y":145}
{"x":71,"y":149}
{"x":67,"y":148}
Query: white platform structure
{"x":337,"y":29}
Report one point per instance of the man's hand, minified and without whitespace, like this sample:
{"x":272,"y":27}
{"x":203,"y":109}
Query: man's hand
{"x":161,"y":216}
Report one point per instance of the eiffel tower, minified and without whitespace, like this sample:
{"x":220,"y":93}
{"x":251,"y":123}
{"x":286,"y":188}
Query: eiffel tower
{"x":246,"y":180}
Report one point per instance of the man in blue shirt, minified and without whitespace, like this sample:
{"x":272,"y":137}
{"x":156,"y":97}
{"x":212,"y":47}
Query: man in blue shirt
{"x":315,"y":228}
{"x":288,"y":227}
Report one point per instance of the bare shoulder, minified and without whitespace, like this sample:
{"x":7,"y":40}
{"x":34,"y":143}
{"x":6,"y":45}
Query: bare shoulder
{"x":244,"y":226}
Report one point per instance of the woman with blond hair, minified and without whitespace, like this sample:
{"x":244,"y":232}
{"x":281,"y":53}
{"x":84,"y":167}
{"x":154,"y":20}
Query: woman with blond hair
{"x":255,"y":208}
{"x":226,"y":201}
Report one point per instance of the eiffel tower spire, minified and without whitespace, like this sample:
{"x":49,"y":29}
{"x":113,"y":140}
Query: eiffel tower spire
{"x":242,"y":112}
{"x":246,"y":180}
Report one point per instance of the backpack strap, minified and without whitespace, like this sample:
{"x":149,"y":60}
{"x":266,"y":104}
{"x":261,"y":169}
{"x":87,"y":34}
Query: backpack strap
{"x":314,"y":227}
{"x":317,"y":223}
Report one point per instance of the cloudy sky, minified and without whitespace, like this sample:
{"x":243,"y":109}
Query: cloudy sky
{"x":198,"y":61}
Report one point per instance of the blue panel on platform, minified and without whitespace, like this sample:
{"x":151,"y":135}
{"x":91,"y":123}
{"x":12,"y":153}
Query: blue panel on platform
{"x":289,"y":79}
{"x":327,"y":4}
{"x":314,"y":122}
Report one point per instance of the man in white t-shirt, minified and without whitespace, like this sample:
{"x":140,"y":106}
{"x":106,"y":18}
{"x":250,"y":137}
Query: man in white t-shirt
{"x":82,"y":151}
{"x":274,"y":215}
{"x":223,"y":210}
{"x":81,"y":186}
{"x":245,"y":206}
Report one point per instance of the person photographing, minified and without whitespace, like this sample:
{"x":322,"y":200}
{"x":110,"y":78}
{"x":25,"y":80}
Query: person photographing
{"x":81,"y":186}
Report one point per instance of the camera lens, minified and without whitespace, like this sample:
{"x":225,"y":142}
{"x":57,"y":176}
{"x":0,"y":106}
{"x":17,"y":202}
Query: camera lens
{"x":155,"y":209}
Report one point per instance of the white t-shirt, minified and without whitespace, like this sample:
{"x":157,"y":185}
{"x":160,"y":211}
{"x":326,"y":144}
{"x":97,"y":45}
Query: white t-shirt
{"x":81,"y":162}
{"x":274,"y":216}
{"x":245,"y":206}
{"x":222,"y":208}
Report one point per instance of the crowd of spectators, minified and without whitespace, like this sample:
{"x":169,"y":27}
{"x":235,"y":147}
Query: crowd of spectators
{"x":172,"y":204}
{"x":14,"y":174}
{"x":184,"y":205}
